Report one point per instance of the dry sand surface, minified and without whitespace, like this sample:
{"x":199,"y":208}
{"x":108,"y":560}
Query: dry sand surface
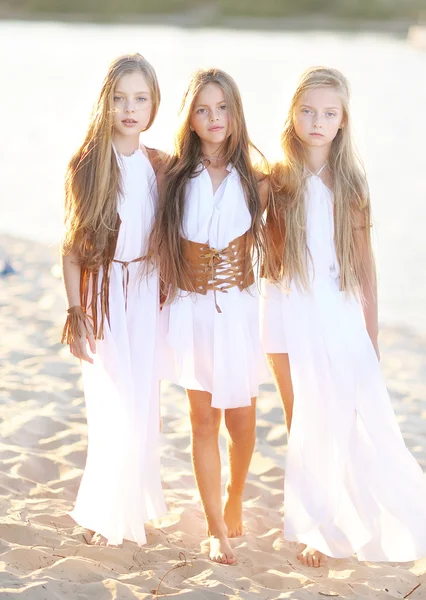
{"x":42,"y":451}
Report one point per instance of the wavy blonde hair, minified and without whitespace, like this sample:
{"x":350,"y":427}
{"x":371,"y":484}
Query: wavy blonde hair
{"x":287,"y":255}
{"x":92,"y":182}
{"x":166,"y":236}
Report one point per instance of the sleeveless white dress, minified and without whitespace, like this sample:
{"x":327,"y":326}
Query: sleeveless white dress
{"x":220,"y":353}
{"x":351,"y":485}
{"x":121,"y":487}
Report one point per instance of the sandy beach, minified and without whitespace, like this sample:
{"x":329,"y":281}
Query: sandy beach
{"x":44,"y":555}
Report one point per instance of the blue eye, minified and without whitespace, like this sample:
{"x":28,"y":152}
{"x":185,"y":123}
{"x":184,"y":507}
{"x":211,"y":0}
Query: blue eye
{"x":201,"y":110}
{"x":330,"y":114}
{"x":223,"y":107}
{"x":306,"y":111}
{"x":118,"y":98}
{"x":142,"y":98}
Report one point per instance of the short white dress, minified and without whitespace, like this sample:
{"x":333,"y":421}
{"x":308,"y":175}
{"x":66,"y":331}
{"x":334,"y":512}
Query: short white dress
{"x":121,"y":487}
{"x":351,"y":485}
{"x":219,"y":353}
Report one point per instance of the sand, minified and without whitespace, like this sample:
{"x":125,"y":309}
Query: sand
{"x":43,"y":554}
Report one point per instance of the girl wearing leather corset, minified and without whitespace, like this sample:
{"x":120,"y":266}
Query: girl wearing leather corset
{"x":207,"y":236}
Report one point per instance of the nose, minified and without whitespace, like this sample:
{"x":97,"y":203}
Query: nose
{"x":213,"y":117}
{"x":317,"y":121}
{"x":129,"y":107}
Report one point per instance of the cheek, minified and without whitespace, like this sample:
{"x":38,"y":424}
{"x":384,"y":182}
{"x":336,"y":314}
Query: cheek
{"x":227,"y":122}
{"x":333,"y":127}
{"x":300,"y":125}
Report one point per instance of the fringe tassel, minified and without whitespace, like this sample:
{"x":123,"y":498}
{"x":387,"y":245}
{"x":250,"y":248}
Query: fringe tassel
{"x":75,"y":324}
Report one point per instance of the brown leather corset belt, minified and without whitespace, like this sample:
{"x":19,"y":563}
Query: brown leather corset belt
{"x":218,"y":270}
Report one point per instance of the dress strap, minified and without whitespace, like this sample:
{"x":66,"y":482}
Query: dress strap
{"x":318,"y":173}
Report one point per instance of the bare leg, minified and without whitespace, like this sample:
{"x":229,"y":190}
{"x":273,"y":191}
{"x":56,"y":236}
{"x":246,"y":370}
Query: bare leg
{"x":280,"y":368}
{"x":241,"y":425}
{"x":205,"y":423}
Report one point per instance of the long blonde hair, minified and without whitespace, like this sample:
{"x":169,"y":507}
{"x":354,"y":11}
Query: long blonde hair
{"x":287,"y":255}
{"x":92,"y":183}
{"x":165,"y":241}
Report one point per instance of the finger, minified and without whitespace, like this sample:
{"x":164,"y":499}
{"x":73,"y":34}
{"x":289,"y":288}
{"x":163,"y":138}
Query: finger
{"x":92,"y":343}
{"x":83,"y":354}
{"x":80,"y":351}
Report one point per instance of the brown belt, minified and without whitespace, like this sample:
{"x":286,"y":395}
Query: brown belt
{"x":218,"y":270}
{"x":125,"y":275}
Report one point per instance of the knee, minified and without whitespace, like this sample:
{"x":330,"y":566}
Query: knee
{"x":205,"y":425}
{"x":241,"y":422}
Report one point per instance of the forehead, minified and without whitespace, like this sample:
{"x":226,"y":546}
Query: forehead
{"x":132,"y":82}
{"x":321,"y":97}
{"x":211,"y":93}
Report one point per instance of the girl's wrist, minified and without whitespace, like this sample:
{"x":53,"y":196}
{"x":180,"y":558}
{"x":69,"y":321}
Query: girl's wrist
{"x":75,"y":308}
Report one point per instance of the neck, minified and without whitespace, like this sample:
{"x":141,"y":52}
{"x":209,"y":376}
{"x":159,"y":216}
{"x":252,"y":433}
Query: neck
{"x":212,"y":151}
{"x":316,"y":157}
{"x":125,"y":145}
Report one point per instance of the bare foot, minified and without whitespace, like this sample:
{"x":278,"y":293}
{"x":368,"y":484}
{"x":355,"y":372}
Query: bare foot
{"x":96,"y":539}
{"x":221,"y":551}
{"x":312,"y":558}
{"x":233,"y":515}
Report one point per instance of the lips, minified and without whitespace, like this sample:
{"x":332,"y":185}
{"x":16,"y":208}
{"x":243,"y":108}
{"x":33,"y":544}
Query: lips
{"x":216,"y":128}
{"x":316,"y":134}
{"x":129,"y":122}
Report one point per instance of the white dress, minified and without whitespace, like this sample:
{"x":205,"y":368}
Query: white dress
{"x":220,"y":353}
{"x":351,"y":485}
{"x":121,"y":487}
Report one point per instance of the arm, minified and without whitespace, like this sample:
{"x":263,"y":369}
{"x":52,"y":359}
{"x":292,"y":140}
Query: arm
{"x":78,"y":325}
{"x":264,"y":190}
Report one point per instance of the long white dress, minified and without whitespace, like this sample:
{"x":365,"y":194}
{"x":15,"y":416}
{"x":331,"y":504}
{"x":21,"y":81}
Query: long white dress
{"x":351,"y":485}
{"x":205,"y":350}
{"x":121,"y":487}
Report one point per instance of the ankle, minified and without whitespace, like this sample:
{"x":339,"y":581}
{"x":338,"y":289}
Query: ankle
{"x":234,"y":493}
{"x":217,"y":530}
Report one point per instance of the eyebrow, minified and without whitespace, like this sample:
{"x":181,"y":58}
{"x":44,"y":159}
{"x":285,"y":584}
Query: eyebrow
{"x":136,"y":93}
{"x":206,"y":105}
{"x":328,"y":107}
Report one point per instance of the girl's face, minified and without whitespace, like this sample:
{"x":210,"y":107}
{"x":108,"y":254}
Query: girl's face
{"x":318,"y":116}
{"x":132,"y":105}
{"x":210,"y":118}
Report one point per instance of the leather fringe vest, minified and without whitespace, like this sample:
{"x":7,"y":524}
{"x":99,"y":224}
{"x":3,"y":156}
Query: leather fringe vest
{"x":89,"y":278}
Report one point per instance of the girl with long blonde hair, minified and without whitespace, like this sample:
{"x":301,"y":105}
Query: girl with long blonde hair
{"x":351,"y":485}
{"x":113,"y":299}
{"x":208,"y":231}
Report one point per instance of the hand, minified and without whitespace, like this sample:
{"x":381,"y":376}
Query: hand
{"x":78,"y":346}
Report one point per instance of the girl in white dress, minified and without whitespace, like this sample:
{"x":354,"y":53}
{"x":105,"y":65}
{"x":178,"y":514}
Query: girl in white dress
{"x":207,"y":230}
{"x":351,"y":485}
{"x":113,"y":299}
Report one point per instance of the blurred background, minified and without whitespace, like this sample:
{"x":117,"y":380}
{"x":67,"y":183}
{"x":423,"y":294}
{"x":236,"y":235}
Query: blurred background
{"x":54,"y":55}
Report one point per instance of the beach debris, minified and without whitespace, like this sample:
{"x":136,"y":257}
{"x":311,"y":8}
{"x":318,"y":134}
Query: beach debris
{"x":413,"y":590}
{"x":183,"y":563}
{"x":7,"y":269}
